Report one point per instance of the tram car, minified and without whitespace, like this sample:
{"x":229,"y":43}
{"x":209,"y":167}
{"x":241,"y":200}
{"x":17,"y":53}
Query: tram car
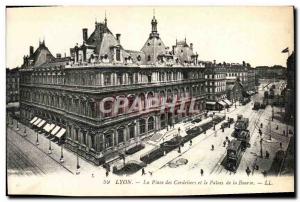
{"x":241,"y":123}
{"x":234,"y":155}
{"x":244,"y":137}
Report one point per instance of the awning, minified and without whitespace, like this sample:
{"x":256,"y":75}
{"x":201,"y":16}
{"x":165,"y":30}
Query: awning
{"x":33,"y":120}
{"x":210,"y":103}
{"x":37,"y":121}
{"x":222,"y":103}
{"x":51,"y":126}
{"x":61,"y":133}
{"x":227,"y":102}
{"x":41,"y":123}
{"x":55,"y":130}
{"x":46,"y":127}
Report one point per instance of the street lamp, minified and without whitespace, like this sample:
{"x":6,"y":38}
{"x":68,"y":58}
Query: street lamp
{"x":25,"y":131}
{"x":37,"y":139}
{"x":50,"y":149}
{"x":261,"y":150}
{"x":61,"y":154}
{"x":78,"y":166}
{"x":272,"y":112}
{"x":270,"y":137}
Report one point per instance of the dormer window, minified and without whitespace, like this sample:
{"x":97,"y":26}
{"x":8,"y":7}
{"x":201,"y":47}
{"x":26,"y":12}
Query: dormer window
{"x":159,"y":44}
{"x":149,"y":57}
{"x":148,"y":44}
{"x":118,"y":54}
{"x":139,"y":58}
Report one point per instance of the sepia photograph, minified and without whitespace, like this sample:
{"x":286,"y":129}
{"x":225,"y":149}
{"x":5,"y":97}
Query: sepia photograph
{"x":125,"y":101}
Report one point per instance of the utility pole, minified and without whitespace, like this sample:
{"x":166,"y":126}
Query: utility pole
{"x":50,"y":149}
{"x":77,"y":166}
{"x":61,"y":154}
{"x":272,"y":112}
{"x":37,"y":138}
{"x":261,"y":149}
{"x":270,"y":137}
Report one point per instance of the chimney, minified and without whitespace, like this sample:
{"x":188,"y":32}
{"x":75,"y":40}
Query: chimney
{"x":58,"y":55}
{"x":31,"y":49}
{"x":191,"y":46}
{"x":118,"y":37}
{"x":85,"y":34}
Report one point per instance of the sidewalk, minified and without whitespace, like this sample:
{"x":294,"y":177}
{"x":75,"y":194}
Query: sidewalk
{"x":70,"y":159}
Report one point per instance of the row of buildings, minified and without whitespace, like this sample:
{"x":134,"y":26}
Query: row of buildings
{"x":76,"y":93}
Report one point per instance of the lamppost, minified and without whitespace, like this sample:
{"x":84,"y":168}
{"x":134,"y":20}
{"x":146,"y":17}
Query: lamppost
{"x":272,"y":112}
{"x":37,"y":139}
{"x":50,"y":149}
{"x":25,"y":134}
{"x":261,"y":150}
{"x":77,"y":166}
{"x":61,"y":154}
{"x":270,"y":137}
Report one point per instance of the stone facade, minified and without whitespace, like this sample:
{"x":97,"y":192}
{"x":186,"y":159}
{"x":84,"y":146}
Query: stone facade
{"x":12,"y":85}
{"x":69,"y":91}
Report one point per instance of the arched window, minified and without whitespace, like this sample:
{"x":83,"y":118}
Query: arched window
{"x":120,"y":132}
{"x":142,"y":126}
{"x":149,"y":58}
{"x":150,"y":124}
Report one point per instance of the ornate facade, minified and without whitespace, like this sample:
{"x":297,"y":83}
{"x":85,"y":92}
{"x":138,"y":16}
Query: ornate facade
{"x":68,"y":91}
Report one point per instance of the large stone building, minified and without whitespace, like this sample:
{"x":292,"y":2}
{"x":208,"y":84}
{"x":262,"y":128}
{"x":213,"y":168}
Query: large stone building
{"x":78,"y":93}
{"x":215,"y":83}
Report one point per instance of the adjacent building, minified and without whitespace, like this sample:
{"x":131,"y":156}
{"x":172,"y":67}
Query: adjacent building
{"x":12,"y":85}
{"x":290,"y":107}
{"x":215,"y":83}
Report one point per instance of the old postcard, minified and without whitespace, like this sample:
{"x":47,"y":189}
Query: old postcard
{"x":150,"y":101}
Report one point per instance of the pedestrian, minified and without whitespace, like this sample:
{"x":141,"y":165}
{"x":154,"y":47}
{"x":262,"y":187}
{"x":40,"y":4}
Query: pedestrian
{"x":143,"y":171}
{"x":92,"y":175}
{"x":191,"y":142}
{"x":201,"y":172}
{"x":280,"y":144}
{"x":267,"y":155}
{"x":179,"y":149}
{"x":261,"y":125}
{"x":224,"y":143}
{"x":107,"y":173}
{"x":212,"y":147}
{"x":248,"y":171}
{"x":284,"y":132}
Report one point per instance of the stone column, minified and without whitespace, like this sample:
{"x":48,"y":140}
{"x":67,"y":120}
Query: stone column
{"x":89,"y":140}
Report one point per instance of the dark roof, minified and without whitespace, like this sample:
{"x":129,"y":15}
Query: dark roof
{"x":234,"y":145}
{"x":41,"y":55}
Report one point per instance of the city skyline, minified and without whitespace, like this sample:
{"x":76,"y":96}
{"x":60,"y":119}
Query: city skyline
{"x":60,"y":34}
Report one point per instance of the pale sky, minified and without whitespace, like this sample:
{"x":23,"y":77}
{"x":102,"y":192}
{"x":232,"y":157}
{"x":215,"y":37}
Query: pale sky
{"x":254,"y":34}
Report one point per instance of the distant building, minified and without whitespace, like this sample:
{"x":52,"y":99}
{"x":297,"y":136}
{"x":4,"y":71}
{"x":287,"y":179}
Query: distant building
{"x":12,"y":85}
{"x":274,"y":72}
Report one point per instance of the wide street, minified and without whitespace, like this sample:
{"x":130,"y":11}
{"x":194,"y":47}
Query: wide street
{"x":26,"y":158}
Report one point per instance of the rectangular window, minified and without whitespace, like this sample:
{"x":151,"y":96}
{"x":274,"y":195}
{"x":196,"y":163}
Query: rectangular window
{"x":118,"y":54}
